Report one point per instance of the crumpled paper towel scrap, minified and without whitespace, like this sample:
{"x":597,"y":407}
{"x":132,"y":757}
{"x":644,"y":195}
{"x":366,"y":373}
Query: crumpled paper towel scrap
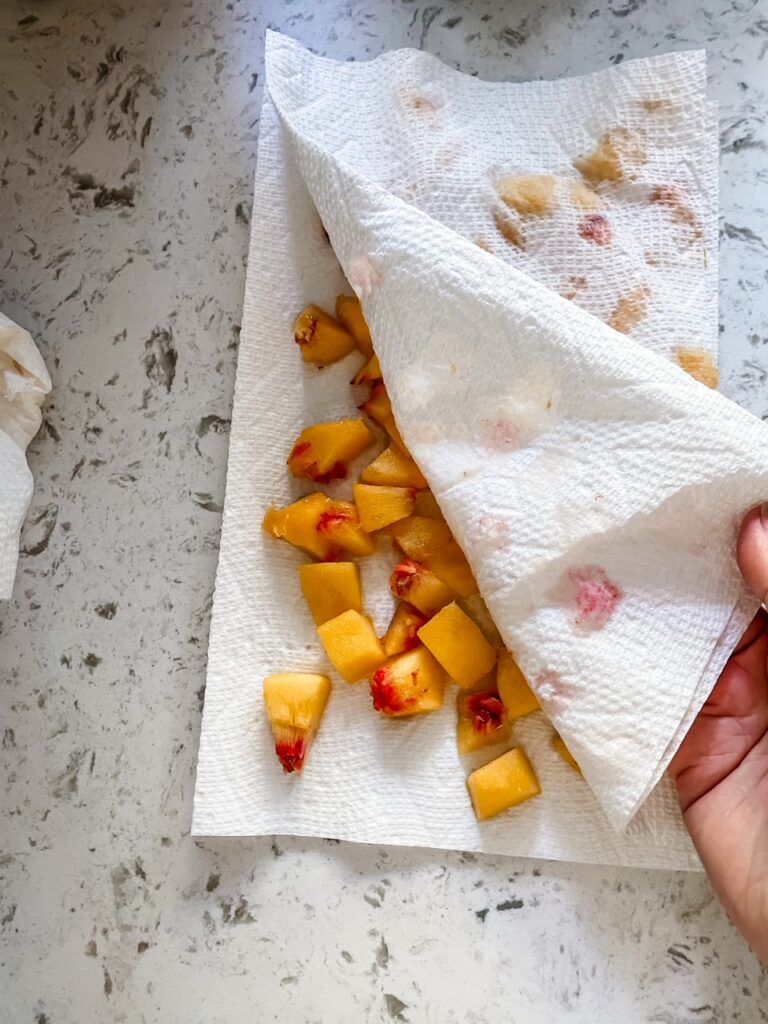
{"x":571,"y":461}
{"x":24,"y":383}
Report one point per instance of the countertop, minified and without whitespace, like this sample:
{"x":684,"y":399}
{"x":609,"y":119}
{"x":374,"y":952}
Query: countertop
{"x":128,"y":136}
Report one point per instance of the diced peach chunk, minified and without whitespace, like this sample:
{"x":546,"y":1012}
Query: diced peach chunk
{"x":413,"y":582}
{"x":380,"y":506}
{"x":379,"y":408}
{"x":298,"y":524}
{"x":450,"y":565}
{"x":323,"y":452}
{"x":350,"y":313}
{"x":420,"y":536}
{"x":368,"y":373}
{"x":320,"y":526}
{"x":341,"y":524}
{"x":558,"y":744}
{"x":459,"y":645}
{"x":502,"y":783}
{"x":409,"y":684}
{"x":519,"y":699}
{"x":426,"y":505}
{"x":402,"y":630}
{"x":352,"y":645}
{"x":330,"y":588}
{"x":395,"y":468}
{"x":295,"y":702}
{"x":321,"y":338}
{"x":482,"y":720}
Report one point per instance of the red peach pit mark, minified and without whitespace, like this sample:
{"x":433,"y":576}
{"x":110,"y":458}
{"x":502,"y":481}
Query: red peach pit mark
{"x":487,"y":711}
{"x":596,"y":227}
{"x":300,"y":449}
{"x":329,"y":521}
{"x":404,"y":576}
{"x":291,"y":754}
{"x":308,"y":333}
{"x":387,"y":696}
{"x":595,"y":597}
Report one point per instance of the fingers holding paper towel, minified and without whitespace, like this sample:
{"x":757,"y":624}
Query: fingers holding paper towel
{"x":721,"y":768}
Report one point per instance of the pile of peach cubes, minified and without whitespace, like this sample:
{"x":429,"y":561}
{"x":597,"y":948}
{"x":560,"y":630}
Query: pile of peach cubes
{"x":431,"y":638}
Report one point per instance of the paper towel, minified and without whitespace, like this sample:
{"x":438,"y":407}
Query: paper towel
{"x":24,"y":383}
{"x":563,"y":454}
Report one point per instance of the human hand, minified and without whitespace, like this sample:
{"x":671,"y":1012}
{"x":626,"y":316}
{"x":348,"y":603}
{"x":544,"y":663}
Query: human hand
{"x":721,"y":768}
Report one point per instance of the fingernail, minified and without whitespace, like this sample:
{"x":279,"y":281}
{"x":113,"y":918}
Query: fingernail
{"x":764,"y":515}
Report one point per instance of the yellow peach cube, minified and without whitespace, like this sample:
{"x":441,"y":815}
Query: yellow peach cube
{"x":352,"y":645}
{"x":330,"y":588}
{"x":402,"y":630}
{"x":426,"y":505}
{"x":502,"y":783}
{"x":323,"y":452}
{"x":340,"y":523}
{"x":295,"y":702}
{"x":320,"y":337}
{"x":519,"y":699}
{"x":558,"y":744}
{"x":482,"y":721}
{"x":350,"y":313}
{"x":459,"y":645}
{"x":413,"y":582}
{"x":379,"y":408}
{"x":395,"y":468}
{"x":368,"y":373}
{"x":420,"y":536}
{"x":298,"y":525}
{"x":378,"y":506}
{"x":449,"y":564}
{"x":409,"y":684}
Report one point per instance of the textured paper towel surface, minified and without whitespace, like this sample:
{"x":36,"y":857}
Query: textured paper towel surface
{"x":24,"y":383}
{"x":611,"y":444}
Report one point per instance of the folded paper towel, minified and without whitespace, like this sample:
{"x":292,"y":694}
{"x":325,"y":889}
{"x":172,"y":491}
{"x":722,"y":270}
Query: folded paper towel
{"x":593,"y":485}
{"x":24,"y":383}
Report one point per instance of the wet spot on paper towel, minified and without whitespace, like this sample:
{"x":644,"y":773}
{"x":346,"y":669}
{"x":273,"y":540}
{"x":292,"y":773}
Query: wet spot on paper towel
{"x":618,"y":150}
{"x":656,"y":105}
{"x":508,"y":230}
{"x":699,"y":364}
{"x":596,"y":227}
{"x":531,"y":195}
{"x":494,"y":531}
{"x":670,"y":197}
{"x":552,"y":689}
{"x":576,"y":283}
{"x":583,"y":196}
{"x":363,"y":275}
{"x":501,"y":435}
{"x":593,"y":595}
{"x":418,"y":103}
{"x":630,"y":310}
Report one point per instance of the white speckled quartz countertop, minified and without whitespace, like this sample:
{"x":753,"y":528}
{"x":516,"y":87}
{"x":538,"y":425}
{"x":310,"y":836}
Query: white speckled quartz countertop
{"x":127,"y":144}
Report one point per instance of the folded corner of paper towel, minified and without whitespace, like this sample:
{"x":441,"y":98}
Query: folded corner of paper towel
{"x":24,"y":383}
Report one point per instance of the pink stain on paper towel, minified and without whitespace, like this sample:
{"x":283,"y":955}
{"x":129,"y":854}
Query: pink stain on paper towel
{"x":363,"y":275}
{"x":595,"y":596}
{"x":501,"y":435}
{"x":596,"y":228}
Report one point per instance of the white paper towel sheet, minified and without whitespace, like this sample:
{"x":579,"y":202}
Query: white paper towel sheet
{"x":24,"y":383}
{"x":568,"y":459}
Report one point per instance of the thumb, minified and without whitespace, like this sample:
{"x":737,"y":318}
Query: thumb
{"x":752,"y":551}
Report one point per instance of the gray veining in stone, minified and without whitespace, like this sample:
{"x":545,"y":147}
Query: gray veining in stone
{"x":127,"y":144}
